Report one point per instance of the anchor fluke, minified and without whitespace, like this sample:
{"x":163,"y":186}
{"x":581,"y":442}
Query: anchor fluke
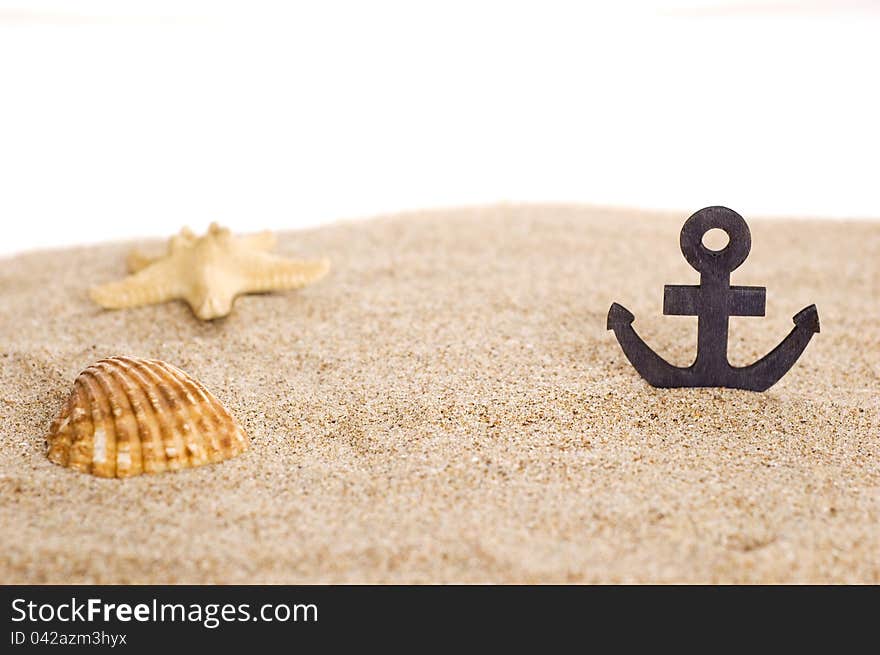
{"x":618,"y":316}
{"x":808,"y":318}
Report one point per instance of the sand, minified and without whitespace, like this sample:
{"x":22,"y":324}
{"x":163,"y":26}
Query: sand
{"x":447,"y":406}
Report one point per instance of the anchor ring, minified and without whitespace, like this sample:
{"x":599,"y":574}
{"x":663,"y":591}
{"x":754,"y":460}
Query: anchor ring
{"x":710,"y":261}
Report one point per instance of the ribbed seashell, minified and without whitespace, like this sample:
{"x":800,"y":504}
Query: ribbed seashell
{"x":126,"y":416}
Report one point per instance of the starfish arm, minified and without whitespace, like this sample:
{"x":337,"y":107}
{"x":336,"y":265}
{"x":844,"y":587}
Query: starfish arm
{"x":154,"y":284}
{"x":260,"y":241}
{"x":262,"y":272}
{"x":138,"y":260}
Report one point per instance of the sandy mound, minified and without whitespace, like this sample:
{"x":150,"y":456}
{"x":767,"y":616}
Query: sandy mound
{"x":447,"y":405}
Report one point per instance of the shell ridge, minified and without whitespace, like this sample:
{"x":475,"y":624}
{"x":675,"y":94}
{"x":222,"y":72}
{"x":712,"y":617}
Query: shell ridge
{"x":212,"y":420}
{"x":129,"y":459}
{"x":192,"y":445}
{"x":102,"y":427}
{"x":145,"y":413}
{"x":83,"y":424}
{"x":171,"y":441}
{"x":187,"y":411}
{"x":115,"y":424}
{"x":171,"y":416}
{"x":221,"y":414}
{"x":150,"y":439}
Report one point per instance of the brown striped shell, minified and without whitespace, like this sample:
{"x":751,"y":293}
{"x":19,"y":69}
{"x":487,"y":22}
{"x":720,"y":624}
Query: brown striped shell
{"x":126,"y":416}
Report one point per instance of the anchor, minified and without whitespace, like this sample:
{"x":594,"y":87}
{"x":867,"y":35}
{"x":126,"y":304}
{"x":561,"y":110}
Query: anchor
{"x":713,"y":302}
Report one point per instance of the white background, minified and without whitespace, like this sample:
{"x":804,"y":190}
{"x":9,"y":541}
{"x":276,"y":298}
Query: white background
{"x":122,"y":119}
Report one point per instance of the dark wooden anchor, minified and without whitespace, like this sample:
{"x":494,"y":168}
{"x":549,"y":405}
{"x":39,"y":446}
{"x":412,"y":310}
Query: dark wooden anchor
{"x":713,"y":302}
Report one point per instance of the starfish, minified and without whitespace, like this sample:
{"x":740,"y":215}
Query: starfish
{"x":207,"y":272}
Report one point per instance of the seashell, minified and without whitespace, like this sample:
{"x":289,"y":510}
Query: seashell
{"x":126,"y":416}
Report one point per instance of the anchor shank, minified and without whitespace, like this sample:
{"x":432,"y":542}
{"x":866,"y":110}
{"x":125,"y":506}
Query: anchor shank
{"x":713,"y":322}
